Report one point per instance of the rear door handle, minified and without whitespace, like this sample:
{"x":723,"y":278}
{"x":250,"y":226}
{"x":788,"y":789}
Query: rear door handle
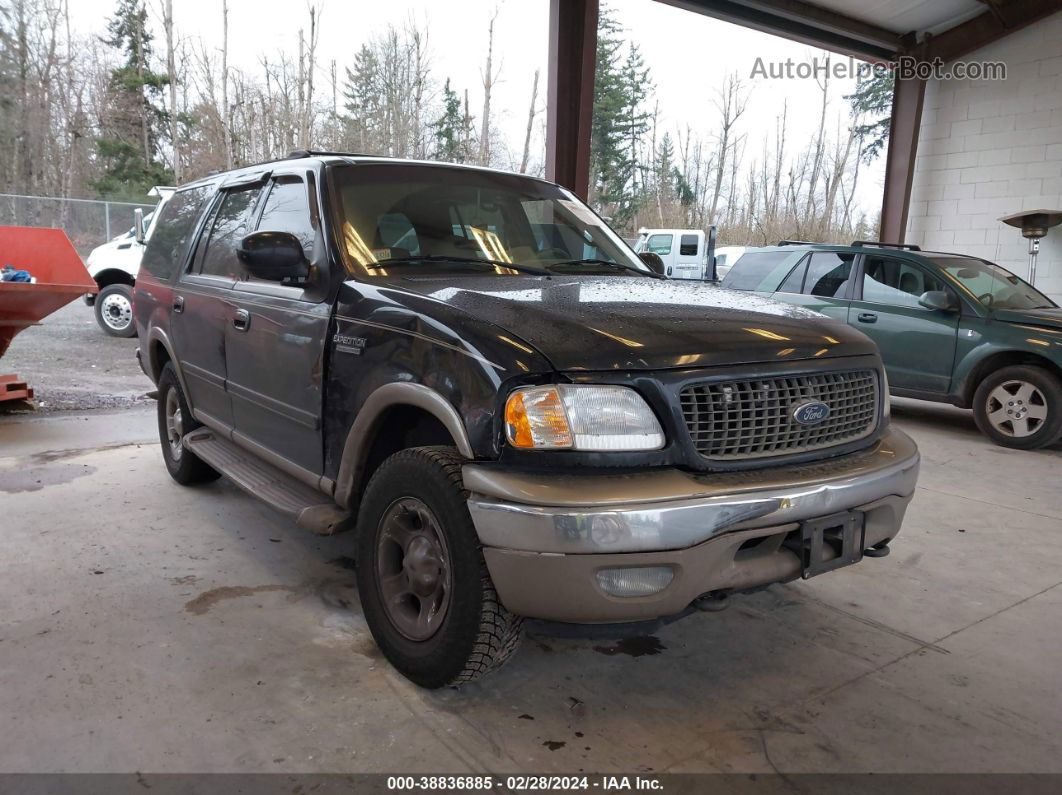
{"x":241,"y":320}
{"x":867,"y":317}
{"x":178,"y":303}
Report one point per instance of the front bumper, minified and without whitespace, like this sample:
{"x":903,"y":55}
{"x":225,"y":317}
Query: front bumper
{"x":545,"y":537}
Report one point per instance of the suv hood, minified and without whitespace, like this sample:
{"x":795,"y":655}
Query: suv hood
{"x":1050,"y":318}
{"x":631,"y":323}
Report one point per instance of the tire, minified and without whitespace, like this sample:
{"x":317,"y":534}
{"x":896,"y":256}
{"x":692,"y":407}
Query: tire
{"x":114,"y":310}
{"x":1020,"y":406}
{"x":414,"y":525}
{"x":174,"y":416}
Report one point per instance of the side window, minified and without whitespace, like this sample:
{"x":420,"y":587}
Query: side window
{"x":828,"y":274}
{"x":226,"y":231}
{"x":688,"y":246}
{"x":172,"y":235}
{"x":794,"y":282}
{"x":659,"y":244}
{"x":894,"y":282}
{"x":287,"y":209}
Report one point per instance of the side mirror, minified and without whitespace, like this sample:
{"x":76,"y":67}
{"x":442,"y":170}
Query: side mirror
{"x":656,"y":265}
{"x":138,"y":225}
{"x":940,"y":300}
{"x":274,"y":257}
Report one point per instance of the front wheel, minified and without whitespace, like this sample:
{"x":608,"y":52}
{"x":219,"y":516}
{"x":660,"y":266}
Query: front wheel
{"x":428,"y":599}
{"x":1020,"y":406}
{"x":114,"y":310}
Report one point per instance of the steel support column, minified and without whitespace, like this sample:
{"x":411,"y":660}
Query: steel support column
{"x":907,"y":99}
{"x":569,"y":105}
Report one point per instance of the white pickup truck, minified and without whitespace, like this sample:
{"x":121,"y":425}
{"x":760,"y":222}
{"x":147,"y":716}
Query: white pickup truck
{"x":684,"y":251}
{"x":114,"y":265}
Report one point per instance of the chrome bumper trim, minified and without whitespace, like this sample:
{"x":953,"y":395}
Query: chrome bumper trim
{"x":650,"y":512}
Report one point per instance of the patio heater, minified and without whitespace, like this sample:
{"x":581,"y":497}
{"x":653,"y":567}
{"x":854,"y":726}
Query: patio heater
{"x":1033,"y":225}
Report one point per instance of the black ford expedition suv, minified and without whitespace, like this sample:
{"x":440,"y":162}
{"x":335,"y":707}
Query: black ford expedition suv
{"x":518,"y":416}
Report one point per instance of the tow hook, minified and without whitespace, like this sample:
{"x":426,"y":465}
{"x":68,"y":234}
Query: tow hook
{"x":878,"y":550}
{"x":713,"y":602}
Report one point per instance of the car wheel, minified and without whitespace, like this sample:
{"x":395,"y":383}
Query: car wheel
{"x":1020,"y":406}
{"x":114,"y":310}
{"x":175,"y":420}
{"x":424,"y":586}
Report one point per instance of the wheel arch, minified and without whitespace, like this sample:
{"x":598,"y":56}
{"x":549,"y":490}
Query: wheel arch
{"x":414,"y":414}
{"x":160,"y":351}
{"x":109,"y":276}
{"x":999,"y":359}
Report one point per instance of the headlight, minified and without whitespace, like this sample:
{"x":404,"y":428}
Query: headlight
{"x":885,"y":395}
{"x":581,"y":417}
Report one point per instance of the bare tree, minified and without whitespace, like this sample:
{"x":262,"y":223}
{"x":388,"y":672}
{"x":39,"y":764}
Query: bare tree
{"x":489,"y":78}
{"x":532,"y":109}
{"x":731,"y":102}
{"x":171,"y":78}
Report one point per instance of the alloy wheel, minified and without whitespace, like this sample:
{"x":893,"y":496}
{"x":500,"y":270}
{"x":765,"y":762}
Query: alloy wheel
{"x":1017,"y":408}
{"x":174,"y":424}
{"x":413,"y":569}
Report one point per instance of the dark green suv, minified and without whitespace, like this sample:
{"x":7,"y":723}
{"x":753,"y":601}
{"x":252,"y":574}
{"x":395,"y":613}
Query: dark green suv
{"x":950,"y":328}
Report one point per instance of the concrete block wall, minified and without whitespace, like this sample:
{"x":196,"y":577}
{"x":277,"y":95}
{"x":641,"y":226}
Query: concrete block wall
{"x":988,"y":149}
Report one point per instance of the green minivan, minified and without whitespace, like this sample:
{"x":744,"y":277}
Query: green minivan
{"x":950,"y":327}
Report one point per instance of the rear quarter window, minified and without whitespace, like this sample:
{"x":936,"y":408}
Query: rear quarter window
{"x":173,"y":232}
{"x":758,"y":271}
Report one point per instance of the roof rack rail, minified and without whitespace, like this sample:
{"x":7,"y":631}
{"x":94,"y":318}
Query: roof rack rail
{"x":908,"y":246}
{"x":297,"y":153}
{"x":799,"y":243}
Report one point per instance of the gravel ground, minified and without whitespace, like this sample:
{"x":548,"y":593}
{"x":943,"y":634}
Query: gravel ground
{"x":72,"y":365}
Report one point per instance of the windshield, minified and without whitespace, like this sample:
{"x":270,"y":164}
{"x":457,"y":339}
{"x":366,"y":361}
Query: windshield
{"x":435,"y":218}
{"x":993,"y":286}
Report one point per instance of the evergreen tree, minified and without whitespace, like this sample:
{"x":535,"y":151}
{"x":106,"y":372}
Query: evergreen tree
{"x":872,"y":100}
{"x":128,"y":145}
{"x":619,"y":122}
{"x":449,"y":130}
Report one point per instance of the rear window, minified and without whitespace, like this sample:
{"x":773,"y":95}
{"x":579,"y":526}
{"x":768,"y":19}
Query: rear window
{"x":172,"y":236}
{"x":688,"y":246}
{"x":751,"y":271}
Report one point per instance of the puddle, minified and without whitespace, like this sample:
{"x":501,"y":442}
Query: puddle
{"x":36,"y":478}
{"x":640,"y":646}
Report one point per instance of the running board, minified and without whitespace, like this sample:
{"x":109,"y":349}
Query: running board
{"x":309,"y":508}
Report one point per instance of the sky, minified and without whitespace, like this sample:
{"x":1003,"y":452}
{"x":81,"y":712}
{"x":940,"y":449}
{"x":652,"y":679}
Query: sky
{"x":689,"y":55}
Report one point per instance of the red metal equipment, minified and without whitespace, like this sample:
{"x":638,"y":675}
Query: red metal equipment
{"x":60,"y":277}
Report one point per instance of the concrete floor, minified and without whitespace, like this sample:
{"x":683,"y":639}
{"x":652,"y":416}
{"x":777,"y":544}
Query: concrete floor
{"x":150,"y":627}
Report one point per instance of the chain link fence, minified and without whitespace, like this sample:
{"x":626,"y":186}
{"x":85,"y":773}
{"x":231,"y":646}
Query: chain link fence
{"x":87,"y":222}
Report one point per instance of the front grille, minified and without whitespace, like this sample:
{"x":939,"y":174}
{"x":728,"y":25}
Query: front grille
{"x":753,"y":418}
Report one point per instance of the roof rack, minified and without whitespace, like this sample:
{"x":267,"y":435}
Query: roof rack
{"x":799,"y":243}
{"x":908,"y":246}
{"x":297,"y":153}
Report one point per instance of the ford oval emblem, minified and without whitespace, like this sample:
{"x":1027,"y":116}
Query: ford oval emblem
{"x":811,"y":413}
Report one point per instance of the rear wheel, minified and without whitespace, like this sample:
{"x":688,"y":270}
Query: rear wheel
{"x":175,"y":420}
{"x":1020,"y":406}
{"x":114,"y":310}
{"x":427,"y":596}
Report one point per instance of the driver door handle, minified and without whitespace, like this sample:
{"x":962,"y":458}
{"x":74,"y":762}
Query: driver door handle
{"x":867,"y":317}
{"x":241,"y":320}
{"x":178,"y":303}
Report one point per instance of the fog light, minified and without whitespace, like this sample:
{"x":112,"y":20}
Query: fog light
{"x":638,"y":581}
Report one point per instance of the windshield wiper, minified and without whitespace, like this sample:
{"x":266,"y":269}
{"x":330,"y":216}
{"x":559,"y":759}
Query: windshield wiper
{"x":610,"y":264}
{"x":383,"y":263}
